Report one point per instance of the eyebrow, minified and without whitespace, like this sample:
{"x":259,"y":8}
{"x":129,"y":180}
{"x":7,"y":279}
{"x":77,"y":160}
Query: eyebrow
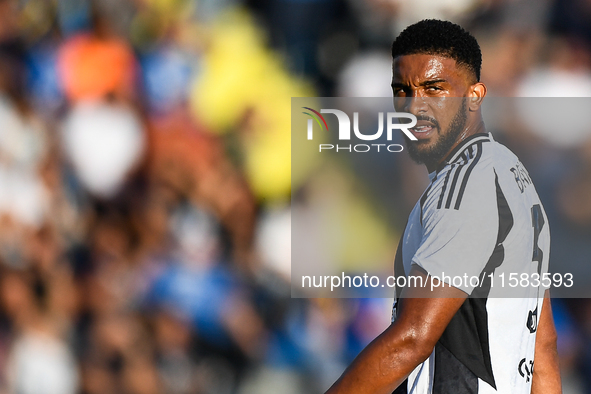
{"x":432,"y":82}
{"x":424,"y":83}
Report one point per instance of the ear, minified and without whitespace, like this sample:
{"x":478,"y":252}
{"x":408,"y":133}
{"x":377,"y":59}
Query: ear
{"x":476,"y":93}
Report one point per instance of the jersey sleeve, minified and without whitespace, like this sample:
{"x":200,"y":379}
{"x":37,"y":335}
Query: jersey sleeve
{"x":460,"y":224}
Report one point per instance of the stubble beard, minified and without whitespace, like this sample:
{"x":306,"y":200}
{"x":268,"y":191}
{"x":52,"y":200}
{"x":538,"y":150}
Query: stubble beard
{"x":432,"y":156}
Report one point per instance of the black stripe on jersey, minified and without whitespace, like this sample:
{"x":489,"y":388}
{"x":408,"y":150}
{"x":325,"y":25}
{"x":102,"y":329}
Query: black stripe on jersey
{"x":402,"y":389}
{"x":453,"y":185}
{"x":453,"y":155}
{"x":466,"y":336}
{"x":505,"y":214}
{"x":466,"y":157}
{"x":498,"y":254}
{"x":451,"y":375}
{"x":456,"y":168}
{"x":467,"y":175}
{"x":443,"y":189}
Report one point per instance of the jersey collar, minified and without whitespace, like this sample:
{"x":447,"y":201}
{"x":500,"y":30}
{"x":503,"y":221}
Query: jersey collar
{"x":455,"y":153}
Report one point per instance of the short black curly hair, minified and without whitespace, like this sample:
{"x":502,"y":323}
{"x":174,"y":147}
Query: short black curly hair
{"x":443,"y":38}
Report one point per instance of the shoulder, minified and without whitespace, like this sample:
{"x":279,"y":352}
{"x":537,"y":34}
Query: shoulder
{"x":469,"y":175}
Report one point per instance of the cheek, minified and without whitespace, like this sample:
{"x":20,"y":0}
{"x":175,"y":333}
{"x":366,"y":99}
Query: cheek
{"x":443,"y":119}
{"x":441,"y":104}
{"x":447,"y":113}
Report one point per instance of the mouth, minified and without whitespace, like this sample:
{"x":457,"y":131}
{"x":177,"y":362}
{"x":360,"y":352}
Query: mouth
{"x":423,"y":129}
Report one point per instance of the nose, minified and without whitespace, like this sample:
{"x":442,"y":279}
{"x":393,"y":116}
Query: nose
{"x":414,"y":103}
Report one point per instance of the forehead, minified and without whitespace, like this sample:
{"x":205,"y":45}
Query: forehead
{"x":421,"y":67}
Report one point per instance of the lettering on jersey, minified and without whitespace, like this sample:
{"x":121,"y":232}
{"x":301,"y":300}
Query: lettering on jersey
{"x":521,"y":176}
{"x":526,"y":369}
{"x":537,"y":220}
{"x":532,"y":320}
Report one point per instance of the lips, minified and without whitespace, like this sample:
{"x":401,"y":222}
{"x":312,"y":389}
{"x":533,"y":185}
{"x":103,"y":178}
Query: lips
{"x":423,"y":129}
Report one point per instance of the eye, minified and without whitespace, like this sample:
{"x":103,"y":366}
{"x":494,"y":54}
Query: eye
{"x":400,"y":91}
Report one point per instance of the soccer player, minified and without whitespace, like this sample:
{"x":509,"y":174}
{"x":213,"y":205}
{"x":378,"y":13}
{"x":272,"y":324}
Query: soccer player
{"x":480,"y":216}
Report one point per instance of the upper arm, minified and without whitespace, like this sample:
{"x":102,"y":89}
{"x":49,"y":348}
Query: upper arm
{"x":546,"y":332}
{"x":425,"y":312}
{"x":391,"y":357}
{"x":546,"y":377}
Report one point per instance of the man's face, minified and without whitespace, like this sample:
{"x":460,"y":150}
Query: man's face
{"x":424,"y":86}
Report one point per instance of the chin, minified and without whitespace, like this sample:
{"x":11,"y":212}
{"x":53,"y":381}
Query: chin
{"x":426,"y":154}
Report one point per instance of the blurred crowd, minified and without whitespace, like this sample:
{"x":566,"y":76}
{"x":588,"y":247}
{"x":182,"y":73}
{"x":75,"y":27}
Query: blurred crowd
{"x":146,"y":185}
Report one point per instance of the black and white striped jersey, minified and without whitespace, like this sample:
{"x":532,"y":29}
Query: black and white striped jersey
{"x":481,"y":220}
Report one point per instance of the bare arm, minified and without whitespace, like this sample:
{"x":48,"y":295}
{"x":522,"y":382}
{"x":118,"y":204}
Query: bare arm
{"x":546,"y":377}
{"x":386,"y":362}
